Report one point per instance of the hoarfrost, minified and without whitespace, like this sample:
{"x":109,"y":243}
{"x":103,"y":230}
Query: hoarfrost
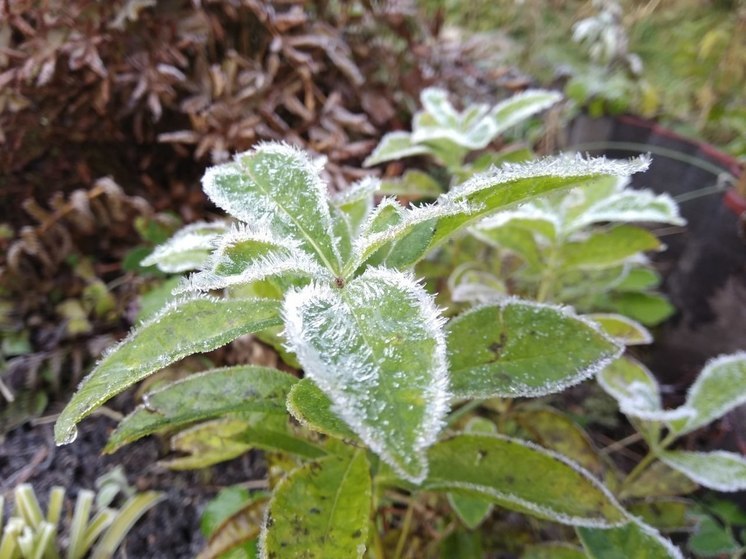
{"x":278,"y":186}
{"x":370,"y":240}
{"x":187,"y":249}
{"x":554,"y":166}
{"x":719,"y":388}
{"x":719,"y":470}
{"x":244,"y":255}
{"x":640,"y":334}
{"x":529,"y":211}
{"x":364,"y":189}
{"x":636,"y":391}
{"x":377,"y":349}
{"x":531,"y":506}
{"x":518,"y":108}
{"x":579,"y":374}
{"x":631,"y":206}
{"x":394,"y":145}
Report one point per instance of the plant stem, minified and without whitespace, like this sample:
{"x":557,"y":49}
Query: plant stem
{"x":618,"y":445}
{"x":463,"y":410}
{"x":377,"y":543}
{"x":404,"y":531}
{"x":641,"y":467}
{"x":649,"y":458}
{"x":548,"y":276}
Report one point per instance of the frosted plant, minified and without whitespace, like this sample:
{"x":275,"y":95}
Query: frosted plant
{"x":448,"y":135}
{"x":719,"y":388}
{"x":382,"y":366}
{"x":583,"y":248}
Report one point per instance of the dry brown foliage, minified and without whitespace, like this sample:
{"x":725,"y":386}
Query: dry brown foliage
{"x":147,"y":93}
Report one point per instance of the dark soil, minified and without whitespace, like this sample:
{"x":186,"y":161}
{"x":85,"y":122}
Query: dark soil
{"x":169,"y":530}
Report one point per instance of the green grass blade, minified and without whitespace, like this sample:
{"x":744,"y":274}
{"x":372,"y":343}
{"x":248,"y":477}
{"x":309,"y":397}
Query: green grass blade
{"x":130,"y":513}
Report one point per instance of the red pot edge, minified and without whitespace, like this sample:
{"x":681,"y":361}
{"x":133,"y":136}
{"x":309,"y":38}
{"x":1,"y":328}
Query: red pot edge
{"x":735,"y":201}
{"x":730,"y":163}
{"x":732,"y":199}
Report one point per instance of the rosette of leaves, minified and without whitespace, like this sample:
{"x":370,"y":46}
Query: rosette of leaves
{"x":382,"y":366}
{"x":441,"y":131}
{"x":580,"y":247}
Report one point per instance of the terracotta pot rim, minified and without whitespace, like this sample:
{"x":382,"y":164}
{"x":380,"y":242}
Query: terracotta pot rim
{"x":731,"y":164}
{"x":735,"y":201}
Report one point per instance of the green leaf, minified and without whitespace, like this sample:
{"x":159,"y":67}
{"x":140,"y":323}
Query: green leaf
{"x":519,"y":107}
{"x":521,"y":476}
{"x":727,"y":510}
{"x":188,"y":249}
{"x":468,"y":284}
{"x":277,"y":187}
{"x":462,"y":544}
{"x":470,"y":509}
{"x":320,"y":510}
{"x":313,"y":409}
{"x":667,"y":514}
{"x":278,"y":441}
{"x":710,"y":539}
{"x":553,"y":550}
{"x":609,"y":247}
{"x":648,"y":308}
{"x":342,"y":227}
{"x":244,"y":256}
{"x":514,"y":237}
{"x":202,"y":396}
{"x":636,"y":390}
{"x":622,"y":329}
{"x":207,"y":444}
{"x":536,"y":219}
{"x":556,"y":431}
{"x":489,"y":192}
{"x":524,"y":349}
{"x":156,"y":298}
{"x":630,"y":206}
{"x":446,"y":141}
{"x":719,"y":470}
{"x":356,"y":202}
{"x":413,"y":184}
{"x":634,"y":539}
{"x":167,"y":337}
{"x":376,"y":348}
{"x":437,"y":106}
{"x":394,"y":145}
{"x":512,"y":153}
{"x":523,"y":181}
{"x":225,"y":504}
{"x":719,"y":388}
{"x":658,"y":480}
{"x":238,"y":531}
{"x":639,"y":279}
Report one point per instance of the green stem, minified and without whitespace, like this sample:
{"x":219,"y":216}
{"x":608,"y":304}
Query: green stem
{"x":462,"y":411}
{"x":378,"y":549}
{"x":377,"y":543}
{"x":640,"y":468}
{"x":549,"y":273}
{"x":404,"y":532}
{"x":649,"y":458}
